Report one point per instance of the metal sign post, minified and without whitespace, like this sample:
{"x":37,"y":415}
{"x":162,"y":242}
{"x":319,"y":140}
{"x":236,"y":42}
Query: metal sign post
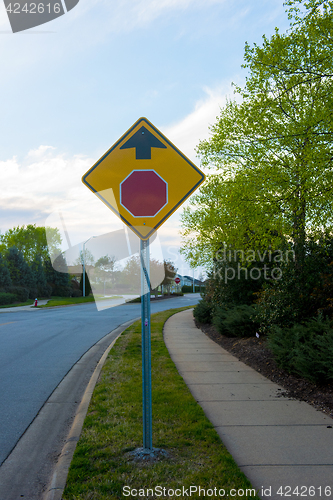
{"x":144,"y":177}
{"x":146,"y":349}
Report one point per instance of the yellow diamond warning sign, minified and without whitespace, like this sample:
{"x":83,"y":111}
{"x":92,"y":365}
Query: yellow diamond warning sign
{"x":143,"y":178}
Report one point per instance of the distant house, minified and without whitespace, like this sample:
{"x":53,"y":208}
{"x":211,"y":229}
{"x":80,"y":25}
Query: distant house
{"x":188,"y":281}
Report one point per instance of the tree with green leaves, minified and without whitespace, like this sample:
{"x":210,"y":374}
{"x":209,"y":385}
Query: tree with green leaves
{"x":160,"y":273}
{"x":59,"y":280}
{"x":169,"y":274}
{"x":130,"y":276}
{"x":5,"y":279}
{"x":103,"y":273}
{"x":273,"y":151}
{"x":43,"y":289}
{"x":20,"y":272}
{"x":219,"y":215}
{"x":31,"y":241}
{"x":106,"y":263}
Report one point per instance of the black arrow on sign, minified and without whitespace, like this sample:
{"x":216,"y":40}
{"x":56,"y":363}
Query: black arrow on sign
{"x":143,"y":141}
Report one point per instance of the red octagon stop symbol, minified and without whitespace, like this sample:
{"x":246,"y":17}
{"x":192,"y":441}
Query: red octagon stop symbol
{"x":143,"y":193}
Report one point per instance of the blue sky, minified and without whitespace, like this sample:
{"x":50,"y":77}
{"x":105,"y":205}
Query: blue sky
{"x":70,"y":88}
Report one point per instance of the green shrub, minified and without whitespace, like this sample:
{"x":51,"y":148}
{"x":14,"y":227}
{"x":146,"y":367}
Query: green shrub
{"x":230,"y":282}
{"x":61,"y":291}
{"x":21,"y":293}
{"x":279,"y":302}
{"x":203,"y":311}
{"x":305,"y":287}
{"x":76,"y":293}
{"x":306,"y":350}
{"x":237,"y":321}
{"x":33,"y":293}
{"x":7,"y":298}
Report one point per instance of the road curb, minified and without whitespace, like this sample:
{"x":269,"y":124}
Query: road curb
{"x":58,"y":482}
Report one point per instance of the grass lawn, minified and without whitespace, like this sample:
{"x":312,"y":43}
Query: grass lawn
{"x":103,"y":465}
{"x":29,"y":302}
{"x":64,"y":301}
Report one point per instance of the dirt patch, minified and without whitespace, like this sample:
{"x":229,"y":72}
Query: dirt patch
{"x":146,"y":455}
{"x":255,"y":353}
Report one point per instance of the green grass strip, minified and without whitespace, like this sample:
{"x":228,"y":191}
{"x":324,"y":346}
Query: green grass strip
{"x":65,"y":301}
{"x":102,"y":465}
{"x":29,"y":302}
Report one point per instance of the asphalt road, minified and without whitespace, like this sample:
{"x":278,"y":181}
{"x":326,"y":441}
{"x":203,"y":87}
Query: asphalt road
{"x":38,"y":348}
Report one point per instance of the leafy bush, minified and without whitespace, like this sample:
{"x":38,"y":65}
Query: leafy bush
{"x":5,"y":279}
{"x":203,"y":311}
{"x":58,"y":282}
{"x":7,"y":298}
{"x":46,"y":291}
{"x":21,"y":293}
{"x":20,"y":272}
{"x":279,"y":302}
{"x":76,"y":293}
{"x":237,"y":321}
{"x":305,"y":350}
{"x":42,"y":289}
{"x":33,"y":293}
{"x":237,"y":277}
{"x":61,"y":291}
{"x":305,"y":289}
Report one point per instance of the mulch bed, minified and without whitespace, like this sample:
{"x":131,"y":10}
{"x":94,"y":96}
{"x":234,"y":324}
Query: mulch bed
{"x":255,"y":353}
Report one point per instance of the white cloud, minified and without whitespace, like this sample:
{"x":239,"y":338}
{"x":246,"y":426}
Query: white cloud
{"x":124,"y":15}
{"x":147,"y":11}
{"x":39,"y":152}
{"x":127,"y":15}
{"x":4,"y":22}
{"x":88,"y":24}
{"x":43,"y":172}
{"x":44,"y":180}
{"x":46,"y":188}
{"x":47,"y":182}
{"x":187,"y":133}
{"x":132,"y":12}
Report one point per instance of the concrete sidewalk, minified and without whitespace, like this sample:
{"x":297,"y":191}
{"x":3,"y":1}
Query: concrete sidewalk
{"x":278,"y":443}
